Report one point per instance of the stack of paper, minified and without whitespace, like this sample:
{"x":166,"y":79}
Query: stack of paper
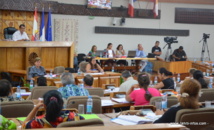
{"x":106,"y":103}
{"x":130,"y":120}
{"x":120,"y":100}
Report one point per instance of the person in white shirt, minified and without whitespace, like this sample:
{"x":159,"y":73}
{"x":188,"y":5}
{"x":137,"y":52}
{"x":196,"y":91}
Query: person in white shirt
{"x":129,"y":81}
{"x":20,"y":35}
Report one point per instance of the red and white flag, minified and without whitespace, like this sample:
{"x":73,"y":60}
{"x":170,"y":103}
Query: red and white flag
{"x":131,"y":8}
{"x":35,"y":26}
{"x":155,"y":8}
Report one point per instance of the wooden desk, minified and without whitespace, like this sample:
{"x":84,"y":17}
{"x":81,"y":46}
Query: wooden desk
{"x":15,"y":55}
{"x":201,"y":67}
{"x":174,"y":67}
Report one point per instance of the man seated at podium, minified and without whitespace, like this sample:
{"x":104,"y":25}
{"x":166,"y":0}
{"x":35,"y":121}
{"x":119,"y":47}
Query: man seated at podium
{"x":157,"y":50}
{"x":37,"y":69}
{"x":20,"y":35}
{"x":179,"y":54}
{"x":141,"y":54}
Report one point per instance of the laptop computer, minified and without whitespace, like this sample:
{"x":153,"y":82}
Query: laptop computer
{"x":131,"y":54}
{"x":99,"y":52}
{"x":151,"y":55}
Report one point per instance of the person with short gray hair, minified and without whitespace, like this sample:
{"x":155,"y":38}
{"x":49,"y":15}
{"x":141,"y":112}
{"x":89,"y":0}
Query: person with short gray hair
{"x":129,"y":81}
{"x":69,"y":88}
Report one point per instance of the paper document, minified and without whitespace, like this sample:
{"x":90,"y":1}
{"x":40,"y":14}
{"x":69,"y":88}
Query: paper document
{"x":120,"y":100}
{"x":106,"y":103}
{"x":130,"y":120}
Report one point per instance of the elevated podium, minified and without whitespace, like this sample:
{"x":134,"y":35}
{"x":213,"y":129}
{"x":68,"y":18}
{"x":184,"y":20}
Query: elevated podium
{"x":15,"y":55}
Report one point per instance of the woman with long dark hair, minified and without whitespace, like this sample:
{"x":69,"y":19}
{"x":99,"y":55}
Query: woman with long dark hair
{"x":198,"y":75}
{"x":53,"y":104}
{"x":166,"y":81}
{"x":142,"y":95}
{"x":119,"y":53}
{"x":109,"y":53}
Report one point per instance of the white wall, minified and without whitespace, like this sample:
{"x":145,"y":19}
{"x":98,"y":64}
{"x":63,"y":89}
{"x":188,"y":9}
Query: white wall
{"x":87,"y":37}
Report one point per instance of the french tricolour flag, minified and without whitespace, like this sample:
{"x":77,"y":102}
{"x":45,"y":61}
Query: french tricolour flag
{"x":155,"y":8}
{"x":42,"y":27}
{"x":131,"y":8}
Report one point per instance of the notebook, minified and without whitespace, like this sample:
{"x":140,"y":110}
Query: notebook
{"x":131,"y":54}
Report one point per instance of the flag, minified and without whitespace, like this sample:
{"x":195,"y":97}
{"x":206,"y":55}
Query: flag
{"x":131,"y":8}
{"x":42,"y":27}
{"x":49,"y":27}
{"x":35,"y":26}
{"x":155,"y":8}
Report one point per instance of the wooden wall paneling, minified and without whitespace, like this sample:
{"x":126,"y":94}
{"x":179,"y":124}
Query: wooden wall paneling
{"x":62,"y":57}
{"x":96,"y":82}
{"x":115,"y":80}
{"x":15,"y":58}
{"x":48,"y":57}
{"x":30,"y":50}
{"x":3,"y":59}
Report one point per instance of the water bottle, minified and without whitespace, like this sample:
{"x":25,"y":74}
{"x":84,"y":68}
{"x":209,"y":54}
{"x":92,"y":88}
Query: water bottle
{"x":155,"y":80}
{"x":164,"y":101}
{"x":211,"y":83}
{"x":101,"y":55}
{"x":31,"y":84}
{"x":208,"y":72}
{"x":18,"y":93}
{"x":178,"y":78}
{"x":89,"y":105}
{"x":79,"y":72}
{"x":51,"y":74}
{"x":112,"y":69}
{"x":195,"y":60}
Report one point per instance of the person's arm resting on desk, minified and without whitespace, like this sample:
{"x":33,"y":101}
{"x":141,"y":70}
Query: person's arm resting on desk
{"x":159,"y":85}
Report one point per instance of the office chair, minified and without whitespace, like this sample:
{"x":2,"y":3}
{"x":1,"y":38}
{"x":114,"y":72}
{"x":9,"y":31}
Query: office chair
{"x":8,"y":32}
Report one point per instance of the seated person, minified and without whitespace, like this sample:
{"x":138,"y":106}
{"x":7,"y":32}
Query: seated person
{"x":128,"y":81}
{"x":142,"y":54}
{"x":53,"y":104}
{"x":20,"y":35}
{"x":191,"y":72}
{"x":179,"y":54}
{"x":157,"y":50}
{"x":41,"y":81}
{"x":69,"y":88}
{"x":90,"y":67}
{"x":167,"y":82}
{"x":88,"y":81}
{"x":119,"y":53}
{"x":143,"y":95}
{"x":188,"y":100}
{"x":109,"y":53}
{"x":37,"y":69}
{"x":93,"y":51}
{"x":5,"y":91}
{"x":198,"y":75}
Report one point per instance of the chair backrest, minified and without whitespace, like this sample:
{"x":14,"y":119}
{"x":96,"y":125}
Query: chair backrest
{"x":96,"y":91}
{"x":16,"y":108}
{"x":170,"y":101}
{"x":6,"y":75}
{"x":40,"y":91}
{"x":59,"y":70}
{"x":28,"y":71}
{"x":201,"y":115}
{"x":71,"y":70}
{"x":207,"y":95}
{"x":80,"y":57}
{"x":153,"y":108}
{"x":74,"y":101}
{"x":81,"y":123}
{"x":8,"y":32}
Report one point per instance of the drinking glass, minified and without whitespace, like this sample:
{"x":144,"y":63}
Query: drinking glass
{"x":81,"y":109}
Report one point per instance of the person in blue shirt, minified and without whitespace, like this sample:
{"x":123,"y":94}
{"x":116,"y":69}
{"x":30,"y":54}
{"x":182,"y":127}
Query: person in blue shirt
{"x":36,"y":70}
{"x":69,"y":88}
{"x":142,"y":54}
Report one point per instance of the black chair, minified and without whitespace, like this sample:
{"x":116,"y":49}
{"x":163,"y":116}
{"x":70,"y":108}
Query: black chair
{"x":7,"y":76}
{"x":80,"y":57}
{"x":8,"y":32}
{"x":71,"y":70}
